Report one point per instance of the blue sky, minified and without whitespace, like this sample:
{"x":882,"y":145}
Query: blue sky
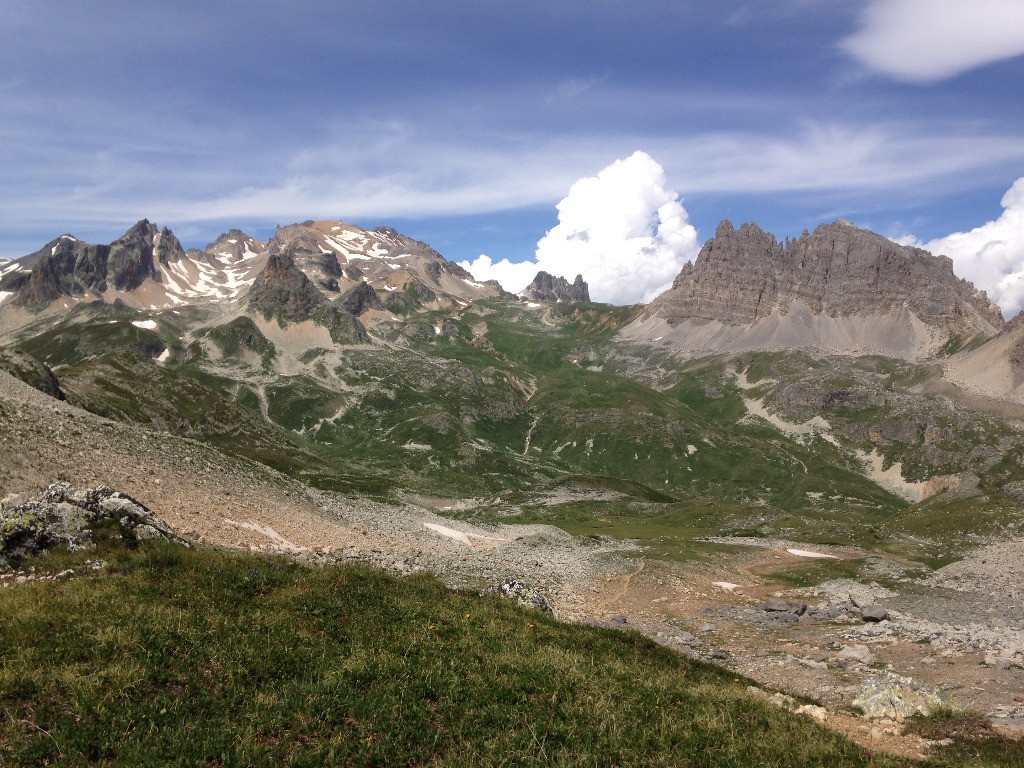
{"x":465,"y":123}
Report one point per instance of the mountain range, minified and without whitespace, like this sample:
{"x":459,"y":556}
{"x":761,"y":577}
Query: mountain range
{"x":834,"y":419}
{"x":356,"y":355}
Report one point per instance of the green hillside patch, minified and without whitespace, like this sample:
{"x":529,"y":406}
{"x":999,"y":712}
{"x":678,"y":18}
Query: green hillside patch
{"x":238,"y":337}
{"x":179,"y":657}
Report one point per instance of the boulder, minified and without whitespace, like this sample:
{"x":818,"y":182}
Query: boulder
{"x":874,"y":612}
{"x":858,"y":653}
{"x":63,"y":516}
{"x":526,"y":596}
{"x":897,"y":697}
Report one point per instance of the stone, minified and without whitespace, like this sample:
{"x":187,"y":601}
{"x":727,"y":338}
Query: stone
{"x":618,"y":621}
{"x":526,"y":596}
{"x":775,"y":605}
{"x":13,"y":500}
{"x":858,"y":653}
{"x":874,"y":612}
{"x":888,"y":695}
{"x":820,"y":714}
{"x":61,"y":515}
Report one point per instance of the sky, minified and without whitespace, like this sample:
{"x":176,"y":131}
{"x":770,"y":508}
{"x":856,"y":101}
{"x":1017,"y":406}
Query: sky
{"x":607,"y":137}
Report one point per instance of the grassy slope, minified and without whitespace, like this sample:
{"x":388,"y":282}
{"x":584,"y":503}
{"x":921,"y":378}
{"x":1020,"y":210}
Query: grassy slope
{"x":201,"y":657}
{"x":189,"y":657}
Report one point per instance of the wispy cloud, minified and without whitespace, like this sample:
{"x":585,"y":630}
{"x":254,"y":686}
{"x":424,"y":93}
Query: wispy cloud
{"x":166,"y":164}
{"x":924,"y":41}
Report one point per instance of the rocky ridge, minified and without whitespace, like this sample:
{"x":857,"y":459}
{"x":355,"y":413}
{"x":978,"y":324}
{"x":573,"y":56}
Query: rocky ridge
{"x":302,"y":271}
{"x":548,"y":288}
{"x":840,"y":288}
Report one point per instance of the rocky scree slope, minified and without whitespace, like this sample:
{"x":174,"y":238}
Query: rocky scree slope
{"x":841,"y":289}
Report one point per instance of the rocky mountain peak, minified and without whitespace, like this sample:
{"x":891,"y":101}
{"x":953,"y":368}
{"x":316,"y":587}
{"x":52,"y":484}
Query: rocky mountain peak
{"x":233,"y":246}
{"x":547,"y":287}
{"x":282,"y":290}
{"x":744,"y":278}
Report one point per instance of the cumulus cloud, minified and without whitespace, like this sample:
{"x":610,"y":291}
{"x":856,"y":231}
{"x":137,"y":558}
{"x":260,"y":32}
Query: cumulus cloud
{"x":992,"y":256}
{"x":623,"y":230}
{"x":924,"y":41}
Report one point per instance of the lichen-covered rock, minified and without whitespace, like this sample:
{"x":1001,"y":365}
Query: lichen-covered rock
{"x":898,"y":697}
{"x":528,"y":597}
{"x":62,"y":515}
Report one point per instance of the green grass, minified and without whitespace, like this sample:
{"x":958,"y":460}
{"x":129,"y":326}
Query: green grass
{"x":974,"y":741}
{"x":199,"y":657}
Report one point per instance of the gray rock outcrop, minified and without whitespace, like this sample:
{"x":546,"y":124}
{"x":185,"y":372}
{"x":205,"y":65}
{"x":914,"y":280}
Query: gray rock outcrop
{"x":840,"y":287}
{"x":62,"y":516}
{"x":68,"y":267}
{"x":526,"y":596}
{"x":361,"y":299}
{"x":29,"y":370}
{"x":742,"y":275}
{"x":547,"y":287}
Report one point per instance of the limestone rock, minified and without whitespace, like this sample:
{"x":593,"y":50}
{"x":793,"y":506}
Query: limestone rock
{"x":897,"y":697}
{"x":547,"y":287}
{"x":843,"y":285}
{"x":526,"y":596}
{"x":858,"y":653}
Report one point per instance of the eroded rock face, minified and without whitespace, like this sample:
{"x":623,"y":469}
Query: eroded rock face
{"x":68,"y":267}
{"x":745,"y":275}
{"x":283,"y":291}
{"x":361,"y":299}
{"x":547,"y":287}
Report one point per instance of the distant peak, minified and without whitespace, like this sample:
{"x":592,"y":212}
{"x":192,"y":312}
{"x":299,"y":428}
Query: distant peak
{"x":547,"y":287}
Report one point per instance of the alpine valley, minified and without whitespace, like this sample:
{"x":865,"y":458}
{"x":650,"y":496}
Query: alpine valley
{"x":795,"y":434}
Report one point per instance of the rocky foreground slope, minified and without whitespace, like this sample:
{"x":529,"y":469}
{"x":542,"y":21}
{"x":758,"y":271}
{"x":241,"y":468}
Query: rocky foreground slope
{"x":839,"y":289}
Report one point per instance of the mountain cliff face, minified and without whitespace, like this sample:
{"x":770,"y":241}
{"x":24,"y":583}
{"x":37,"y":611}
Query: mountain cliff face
{"x":67,"y":267}
{"x":547,"y":287}
{"x":840,"y":288}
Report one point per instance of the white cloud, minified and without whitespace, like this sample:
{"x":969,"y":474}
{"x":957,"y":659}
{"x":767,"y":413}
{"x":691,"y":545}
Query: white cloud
{"x":623,"y":230}
{"x":924,"y":41}
{"x":992,"y":256}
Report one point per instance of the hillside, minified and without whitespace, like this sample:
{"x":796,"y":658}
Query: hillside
{"x":338,"y":394}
